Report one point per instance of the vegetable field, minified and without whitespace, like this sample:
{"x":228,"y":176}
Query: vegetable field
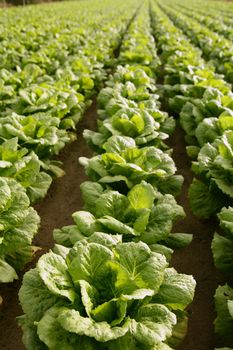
{"x":116,"y":176}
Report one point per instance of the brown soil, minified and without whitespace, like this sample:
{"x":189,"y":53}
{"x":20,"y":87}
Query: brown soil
{"x":64,"y":198}
{"x":55,"y":210}
{"x":196,"y":259}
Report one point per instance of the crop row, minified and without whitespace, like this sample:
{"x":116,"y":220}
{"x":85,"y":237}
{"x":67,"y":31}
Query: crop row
{"x":203,"y":101}
{"x":223,"y":25}
{"x":215,"y":47}
{"x":107,"y":283}
{"x":44,"y":93}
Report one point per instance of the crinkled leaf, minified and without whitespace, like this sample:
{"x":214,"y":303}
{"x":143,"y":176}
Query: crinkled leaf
{"x":153,"y":324}
{"x":90,"y":193}
{"x":176,"y":291}
{"x":117,"y":144}
{"x":137,"y":267}
{"x":34,"y":296}
{"x":52,"y":333}
{"x":73,"y":322}
{"x":89,"y":263}
{"x":68,"y":235}
{"x":111,"y":203}
{"x":222,"y":249}
{"x":224,"y":320}
{"x":53,"y":271}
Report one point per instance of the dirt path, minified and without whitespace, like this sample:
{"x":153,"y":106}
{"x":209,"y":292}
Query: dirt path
{"x":196,"y":259}
{"x":55,"y":210}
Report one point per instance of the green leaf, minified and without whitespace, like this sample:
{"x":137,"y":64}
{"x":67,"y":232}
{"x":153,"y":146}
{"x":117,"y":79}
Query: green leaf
{"x":222,"y":249}
{"x":162,"y":249}
{"x":137,"y":268}
{"x":5,"y":193}
{"x":204,"y":200}
{"x":85,"y":222}
{"x":112,"y":311}
{"x":226,"y":219}
{"x":73,"y":322}
{"x":176,"y":291}
{"x":225,"y":122}
{"x":114,"y":225}
{"x":153,"y":324}
{"x":142,"y":220}
{"x":111,"y":203}
{"x":126,"y":342}
{"x":38,"y":189}
{"x":179,"y":240}
{"x":34,"y":296}
{"x":179,"y":330}
{"x":7,"y":273}
{"x":68,"y":235}
{"x":52,"y":333}
{"x":89,"y":262}
{"x":163,"y":214}
{"x":90,"y":193}
{"x":30,"y":337}
{"x":171,"y":184}
{"x":89,"y":296}
{"x":224,"y":320}
{"x":53,"y":271}
{"x":142,"y":196}
{"x":105,"y":239}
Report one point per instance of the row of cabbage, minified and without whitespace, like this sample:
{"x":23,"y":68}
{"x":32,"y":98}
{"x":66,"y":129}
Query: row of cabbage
{"x":107,"y":284}
{"x":213,"y":20}
{"x":44,"y":93}
{"x":215,"y":47}
{"x":203,"y":101}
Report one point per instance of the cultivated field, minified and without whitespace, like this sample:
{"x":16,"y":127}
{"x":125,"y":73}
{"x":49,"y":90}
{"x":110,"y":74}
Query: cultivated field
{"x":116,"y":176}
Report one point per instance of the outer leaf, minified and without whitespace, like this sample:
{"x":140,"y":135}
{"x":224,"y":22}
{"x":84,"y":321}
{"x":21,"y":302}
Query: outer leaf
{"x":114,"y":225}
{"x":52,"y":333}
{"x":204,"y":200}
{"x":53,"y":271}
{"x":154,"y":323}
{"x":7,"y":273}
{"x":34,"y":296}
{"x":30,"y":337}
{"x":176,"y":291}
{"x":68,"y":235}
{"x":90,"y":193}
{"x":85,"y":222}
{"x":137,"y":267}
{"x":224,"y":320}
{"x":222,"y":249}
{"x":226,"y":219}
{"x":73,"y":322}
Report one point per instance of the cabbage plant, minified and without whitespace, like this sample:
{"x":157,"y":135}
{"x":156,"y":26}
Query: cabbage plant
{"x":104,"y":294}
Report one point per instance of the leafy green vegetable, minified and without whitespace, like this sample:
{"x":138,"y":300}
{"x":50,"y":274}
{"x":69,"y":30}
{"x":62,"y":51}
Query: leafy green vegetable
{"x":18,"y":225}
{"x":223,"y":305}
{"x":120,"y":292}
{"x":222,"y":245}
{"x":131,"y":165}
{"x":24,"y":167}
{"x":144,"y":213}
